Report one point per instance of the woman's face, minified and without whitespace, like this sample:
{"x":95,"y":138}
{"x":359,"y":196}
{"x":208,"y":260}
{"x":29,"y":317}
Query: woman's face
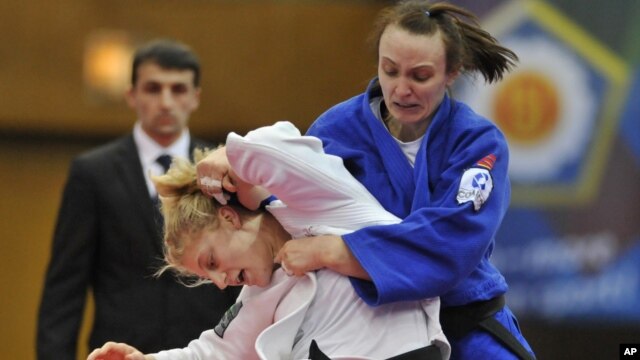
{"x":412,"y":73}
{"x":230,"y":255}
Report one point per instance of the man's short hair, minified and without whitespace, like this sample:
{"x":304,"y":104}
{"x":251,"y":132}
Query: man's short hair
{"x":168,"y":54}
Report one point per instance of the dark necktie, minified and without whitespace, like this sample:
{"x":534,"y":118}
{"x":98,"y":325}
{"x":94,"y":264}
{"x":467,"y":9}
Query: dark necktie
{"x":165,"y":161}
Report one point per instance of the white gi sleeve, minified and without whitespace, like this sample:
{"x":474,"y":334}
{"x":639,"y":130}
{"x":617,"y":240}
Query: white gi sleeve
{"x":281,"y":160}
{"x":235,"y":336}
{"x":234,"y":340}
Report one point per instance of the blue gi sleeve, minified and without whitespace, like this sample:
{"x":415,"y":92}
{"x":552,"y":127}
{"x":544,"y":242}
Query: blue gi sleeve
{"x":440,"y":243}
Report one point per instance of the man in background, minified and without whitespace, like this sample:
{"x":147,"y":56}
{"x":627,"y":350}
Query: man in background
{"x":108,"y":236}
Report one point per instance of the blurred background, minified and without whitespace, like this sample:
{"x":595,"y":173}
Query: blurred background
{"x":570,"y":245}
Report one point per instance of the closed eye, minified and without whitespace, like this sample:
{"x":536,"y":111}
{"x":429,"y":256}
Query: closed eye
{"x":421,"y":78}
{"x":390,"y":73}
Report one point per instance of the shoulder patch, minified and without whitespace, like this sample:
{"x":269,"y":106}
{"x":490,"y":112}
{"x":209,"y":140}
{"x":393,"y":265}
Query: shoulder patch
{"x":228,"y":316}
{"x":475,"y":186}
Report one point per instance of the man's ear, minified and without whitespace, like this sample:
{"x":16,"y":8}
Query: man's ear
{"x":130,"y":97}
{"x":230,"y":216}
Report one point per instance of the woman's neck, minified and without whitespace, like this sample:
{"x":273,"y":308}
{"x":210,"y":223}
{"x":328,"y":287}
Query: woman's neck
{"x":404,"y":132}
{"x":273,"y":231}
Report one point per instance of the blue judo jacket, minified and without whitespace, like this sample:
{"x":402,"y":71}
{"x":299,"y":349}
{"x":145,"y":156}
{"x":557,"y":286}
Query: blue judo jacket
{"x":443,"y":245}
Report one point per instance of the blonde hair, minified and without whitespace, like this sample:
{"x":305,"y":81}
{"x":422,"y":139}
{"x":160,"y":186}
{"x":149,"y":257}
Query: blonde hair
{"x":186,"y":211}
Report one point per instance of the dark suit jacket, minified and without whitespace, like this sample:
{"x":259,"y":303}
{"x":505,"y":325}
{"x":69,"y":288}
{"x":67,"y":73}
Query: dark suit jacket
{"x":108,"y":239}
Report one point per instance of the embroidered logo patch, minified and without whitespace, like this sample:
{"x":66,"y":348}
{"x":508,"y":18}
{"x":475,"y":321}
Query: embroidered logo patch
{"x":228,"y":316}
{"x":476,"y":183}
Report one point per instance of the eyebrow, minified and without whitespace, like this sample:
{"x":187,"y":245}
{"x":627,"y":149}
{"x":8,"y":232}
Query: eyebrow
{"x":429,"y":66}
{"x":165,"y":83}
{"x":389,"y":60}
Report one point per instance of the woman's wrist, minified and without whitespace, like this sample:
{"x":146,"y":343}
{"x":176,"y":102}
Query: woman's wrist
{"x":336,"y":255}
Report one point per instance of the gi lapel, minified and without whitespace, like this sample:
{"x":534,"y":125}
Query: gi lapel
{"x":422,"y":196}
{"x":398,"y":169}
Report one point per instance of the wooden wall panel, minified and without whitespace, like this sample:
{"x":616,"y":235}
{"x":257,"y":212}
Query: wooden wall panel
{"x":262,"y":60}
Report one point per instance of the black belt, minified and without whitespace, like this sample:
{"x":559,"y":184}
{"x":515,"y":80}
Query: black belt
{"x":430,"y":352}
{"x":458,"y":321}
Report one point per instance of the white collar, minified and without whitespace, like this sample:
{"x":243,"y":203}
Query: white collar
{"x":149,"y":150}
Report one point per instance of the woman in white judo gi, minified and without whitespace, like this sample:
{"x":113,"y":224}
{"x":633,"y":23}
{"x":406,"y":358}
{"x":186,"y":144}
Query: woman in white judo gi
{"x":278,"y":316}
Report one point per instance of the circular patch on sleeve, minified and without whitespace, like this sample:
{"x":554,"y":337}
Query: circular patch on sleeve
{"x":475,"y":186}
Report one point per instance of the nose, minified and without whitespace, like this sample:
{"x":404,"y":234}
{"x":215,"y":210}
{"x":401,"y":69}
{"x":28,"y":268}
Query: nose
{"x":219,"y":279}
{"x":403,"y":87}
{"x":166,"y":97}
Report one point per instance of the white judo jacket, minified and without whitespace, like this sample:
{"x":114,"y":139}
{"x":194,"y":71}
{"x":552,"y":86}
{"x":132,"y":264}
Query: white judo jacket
{"x":316,"y":196}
